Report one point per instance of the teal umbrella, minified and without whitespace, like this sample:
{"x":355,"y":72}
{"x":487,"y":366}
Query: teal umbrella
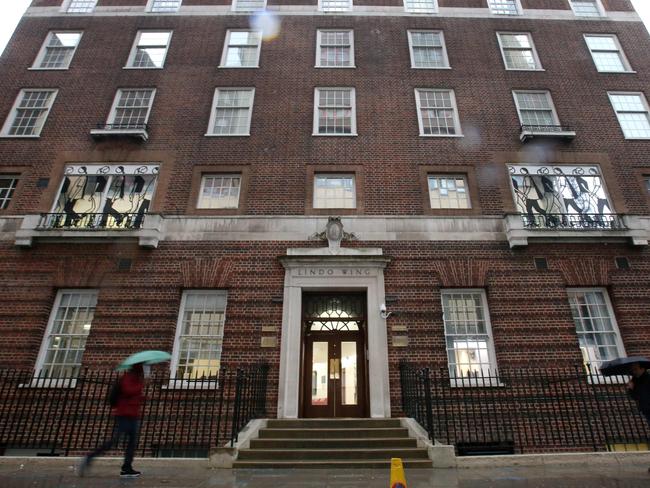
{"x":144,"y":357}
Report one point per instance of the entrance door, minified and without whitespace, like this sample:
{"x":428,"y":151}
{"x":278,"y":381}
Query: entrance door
{"x":334,"y":366}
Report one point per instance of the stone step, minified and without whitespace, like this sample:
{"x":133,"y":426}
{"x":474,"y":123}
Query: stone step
{"x":330,"y":464}
{"x":316,"y":443}
{"x":332,"y":423}
{"x":324,"y":433}
{"x":331,"y":454}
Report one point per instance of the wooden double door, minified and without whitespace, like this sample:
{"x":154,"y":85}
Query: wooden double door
{"x":334,"y":358}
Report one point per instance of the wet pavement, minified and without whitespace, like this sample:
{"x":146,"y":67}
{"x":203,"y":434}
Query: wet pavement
{"x":62,"y":474}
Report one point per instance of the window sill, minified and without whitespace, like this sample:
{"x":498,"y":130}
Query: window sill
{"x":432,"y":67}
{"x":442,"y":135}
{"x":637,"y":138}
{"x":227,"y":135}
{"x":335,"y":67}
{"x":48,"y":69}
{"x":237,"y":67}
{"x":8,"y":136}
{"x":525,"y":70}
{"x":142,"y":68}
{"x":421,"y":13}
{"x":618,"y":72}
{"x":353,"y":134}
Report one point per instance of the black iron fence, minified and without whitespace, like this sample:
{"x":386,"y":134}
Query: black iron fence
{"x":91,"y":221}
{"x":523,"y":410}
{"x":573,"y":222}
{"x":180,"y":418}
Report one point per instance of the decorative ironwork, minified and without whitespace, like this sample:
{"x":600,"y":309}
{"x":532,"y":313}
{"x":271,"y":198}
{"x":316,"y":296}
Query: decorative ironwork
{"x":118,"y":127}
{"x":91,"y":221}
{"x":550,"y":129}
{"x":334,"y":312}
{"x":574,"y":222}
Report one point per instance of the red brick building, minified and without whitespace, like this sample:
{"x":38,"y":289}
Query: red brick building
{"x":168,"y":169}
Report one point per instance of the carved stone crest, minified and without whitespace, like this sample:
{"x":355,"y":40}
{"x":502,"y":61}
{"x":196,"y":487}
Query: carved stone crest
{"x":334,"y":234}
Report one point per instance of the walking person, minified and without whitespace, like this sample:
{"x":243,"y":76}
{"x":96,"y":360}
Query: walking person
{"x":126,"y":412}
{"x":639,"y":388}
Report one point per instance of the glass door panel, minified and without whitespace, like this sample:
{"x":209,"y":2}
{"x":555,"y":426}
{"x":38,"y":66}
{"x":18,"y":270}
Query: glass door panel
{"x":319,"y":373}
{"x":349,"y":395}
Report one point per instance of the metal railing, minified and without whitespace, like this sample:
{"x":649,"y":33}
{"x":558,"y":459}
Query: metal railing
{"x":183,"y":418}
{"x":546,"y":129}
{"x":573,"y":222}
{"x":523,"y":410}
{"x":119,"y":127}
{"x":91,"y":221}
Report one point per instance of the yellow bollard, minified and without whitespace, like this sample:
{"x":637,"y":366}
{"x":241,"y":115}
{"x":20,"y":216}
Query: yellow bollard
{"x":397,"y":477}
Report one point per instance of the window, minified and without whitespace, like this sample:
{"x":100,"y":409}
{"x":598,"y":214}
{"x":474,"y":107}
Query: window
{"x":220,"y":191}
{"x":29,"y":113}
{"x":241,"y":49}
{"x":65,"y":339}
{"x":335,"y":49}
{"x":536,"y":108}
{"x":164,"y":6}
{"x":587,"y":8}
{"x":647,"y":184}
{"x":518,"y":51}
{"x":131,"y":108}
{"x":427,"y":49}
{"x":421,"y":6}
{"x":470,"y":350}
{"x":231,"y":112}
{"x":80,"y":6}
{"x":596,"y":327}
{"x":335,"y":112}
{"x":149,"y":49}
{"x":57,"y":50}
{"x":607,"y":53}
{"x":632,"y":112}
{"x":248,"y":5}
{"x":7,"y":187}
{"x":505,"y":7}
{"x":448,"y":192}
{"x":108,"y":195}
{"x":437,"y":114}
{"x":334,"y":191}
{"x":335,"y":5}
{"x":199,"y":335}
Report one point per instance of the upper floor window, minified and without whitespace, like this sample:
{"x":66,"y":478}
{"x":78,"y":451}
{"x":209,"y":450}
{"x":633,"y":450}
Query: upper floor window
{"x":163,"y":6}
{"x":633,"y":114}
{"x":505,"y":7}
{"x":334,"y":191}
{"x":437,"y":112}
{"x":536,"y":108}
{"x":587,"y":8}
{"x":335,"y":112}
{"x":64,"y":342}
{"x":248,"y":5}
{"x":220,"y":191}
{"x":607,"y":53}
{"x":80,"y":6}
{"x":647,"y":184}
{"x":29,"y":113}
{"x":149,"y":49}
{"x":131,"y":107}
{"x":334,"y":5}
{"x":427,"y":49}
{"x":231,"y":112}
{"x":448,"y":191}
{"x":57,"y":50}
{"x":7,"y":187}
{"x":421,"y":6}
{"x":518,"y":51}
{"x":335,"y":49}
{"x":241,"y":49}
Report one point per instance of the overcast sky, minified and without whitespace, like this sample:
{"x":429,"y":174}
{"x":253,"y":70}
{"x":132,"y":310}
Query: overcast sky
{"x":12,"y":10}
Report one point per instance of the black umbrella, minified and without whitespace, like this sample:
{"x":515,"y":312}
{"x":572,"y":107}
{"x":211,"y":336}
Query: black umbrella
{"x":620,"y":366}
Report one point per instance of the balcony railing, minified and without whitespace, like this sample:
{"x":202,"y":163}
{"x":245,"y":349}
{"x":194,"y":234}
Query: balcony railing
{"x":583,"y":222}
{"x":122,"y":130}
{"x":90,"y":221}
{"x":531,"y":131}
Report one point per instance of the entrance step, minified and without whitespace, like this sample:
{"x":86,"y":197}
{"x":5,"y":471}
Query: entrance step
{"x":328,"y":443}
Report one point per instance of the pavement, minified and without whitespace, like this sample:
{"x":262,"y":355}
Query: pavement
{"x":174,"y":473}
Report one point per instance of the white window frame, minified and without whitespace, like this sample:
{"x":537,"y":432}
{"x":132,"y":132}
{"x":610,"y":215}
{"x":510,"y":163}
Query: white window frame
{"x":538,"y":62}
{"x":11,"y":190}
{"x":459,"y":130}
{"x":14,"y":110}
{"x":213,"y":111}
{"x":321,"y":9}
{"x":341,"y":176}
{"x":319,"y":47}
{"x":42,"y":354}
{"x":226,"y":46}
{"x":644,"y":101}
{"x":491,"y":381}
{"x":36,"y":66}
{"x":520,"y":10}
{"x":67,"y":3}
{"x":627,"y":68}
{"x":151,"y":3}
{"x":219,"y":175}
{"x":549,"y":98}
{"x":353,"y":108}
{"x":111,"y":116}
{"x":444,"y":48}
{"x":136,"y":42}
{"x":599,"y":6}
{"x":433,"y":10}
{"x":449,"y":176}
{"x":236,"y":8}
{"x":182,"y":383}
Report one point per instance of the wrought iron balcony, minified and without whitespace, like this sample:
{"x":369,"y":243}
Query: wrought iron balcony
{"x":140,"y":131}
{"x":531,"y":131}
{"x":90,"y":221}
{"x":584,"y":222}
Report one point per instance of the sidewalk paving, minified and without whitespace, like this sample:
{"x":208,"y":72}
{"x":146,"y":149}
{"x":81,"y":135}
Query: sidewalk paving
{"x":174,"y":474}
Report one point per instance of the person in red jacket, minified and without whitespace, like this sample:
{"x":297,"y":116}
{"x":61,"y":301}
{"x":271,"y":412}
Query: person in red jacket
{"x":127,"y":414}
